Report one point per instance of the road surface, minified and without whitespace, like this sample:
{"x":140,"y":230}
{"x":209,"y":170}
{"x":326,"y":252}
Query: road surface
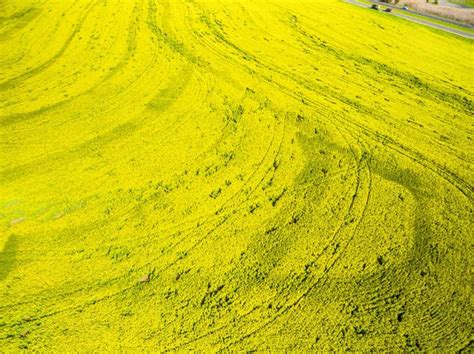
{"x":428,"y":23}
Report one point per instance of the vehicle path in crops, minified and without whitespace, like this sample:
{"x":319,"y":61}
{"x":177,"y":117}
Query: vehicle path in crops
{"x":194,"y":175}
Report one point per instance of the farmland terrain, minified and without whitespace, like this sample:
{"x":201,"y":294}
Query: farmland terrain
{"x":233,"y":175}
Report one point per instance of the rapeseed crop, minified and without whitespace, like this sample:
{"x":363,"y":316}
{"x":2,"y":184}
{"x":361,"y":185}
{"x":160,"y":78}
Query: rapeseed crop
{"x":233,"y":175}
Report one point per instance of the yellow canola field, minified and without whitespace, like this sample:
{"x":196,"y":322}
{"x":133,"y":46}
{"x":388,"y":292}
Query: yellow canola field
{"x":233,"y":175}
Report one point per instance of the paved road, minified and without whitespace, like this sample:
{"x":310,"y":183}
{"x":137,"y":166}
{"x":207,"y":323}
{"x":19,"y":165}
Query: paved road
{"x":427,"y":15}
{"x":428,"y":23}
